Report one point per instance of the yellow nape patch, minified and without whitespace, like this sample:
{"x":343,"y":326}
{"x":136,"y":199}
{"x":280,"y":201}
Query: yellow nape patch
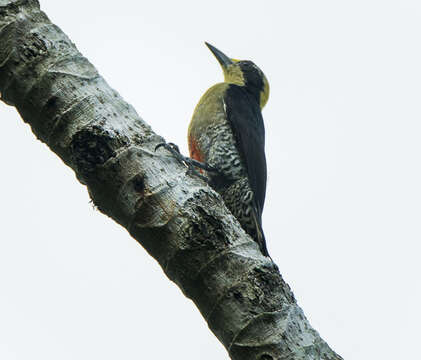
{"x":264,"y":94}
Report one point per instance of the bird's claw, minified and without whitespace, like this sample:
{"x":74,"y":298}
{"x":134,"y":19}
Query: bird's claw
{"x":191,"y":170}
{"x":171,"y":147}
{"x":174,"y":150}
{"x":191,"y":164}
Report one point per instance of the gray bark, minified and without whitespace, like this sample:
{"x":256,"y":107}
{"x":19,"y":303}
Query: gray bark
{"x":176,"y":217}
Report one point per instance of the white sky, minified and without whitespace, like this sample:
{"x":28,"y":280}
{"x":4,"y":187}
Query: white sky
{"x":343,"y":208}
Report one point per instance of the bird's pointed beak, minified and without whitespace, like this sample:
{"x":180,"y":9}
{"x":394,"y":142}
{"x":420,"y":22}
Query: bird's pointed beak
{"x":220,"y":56}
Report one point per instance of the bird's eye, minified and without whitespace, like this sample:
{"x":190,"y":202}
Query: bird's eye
{"x":246,"y":65}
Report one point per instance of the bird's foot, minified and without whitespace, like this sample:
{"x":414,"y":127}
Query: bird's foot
{"x":190,"y":163}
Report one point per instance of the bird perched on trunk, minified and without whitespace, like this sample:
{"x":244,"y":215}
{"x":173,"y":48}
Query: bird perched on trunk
{"x":227,"y":134}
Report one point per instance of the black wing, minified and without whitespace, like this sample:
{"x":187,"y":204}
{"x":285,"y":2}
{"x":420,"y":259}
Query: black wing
{"x":245,"y":117}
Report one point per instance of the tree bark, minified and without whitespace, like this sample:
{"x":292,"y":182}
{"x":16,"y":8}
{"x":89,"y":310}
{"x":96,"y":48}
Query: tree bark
{"x":176,"y":217}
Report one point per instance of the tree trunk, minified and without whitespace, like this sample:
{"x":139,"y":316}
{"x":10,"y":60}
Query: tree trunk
{"x":176,"y":217}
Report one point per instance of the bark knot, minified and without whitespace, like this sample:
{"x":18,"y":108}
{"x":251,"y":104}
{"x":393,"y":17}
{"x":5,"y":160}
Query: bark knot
{"x":90,"y":148}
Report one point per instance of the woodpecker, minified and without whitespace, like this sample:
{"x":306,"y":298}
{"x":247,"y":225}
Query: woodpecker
{"x":227,"y":134}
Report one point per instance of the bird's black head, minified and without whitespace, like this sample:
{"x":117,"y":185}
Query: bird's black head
{"x":244,"y":73}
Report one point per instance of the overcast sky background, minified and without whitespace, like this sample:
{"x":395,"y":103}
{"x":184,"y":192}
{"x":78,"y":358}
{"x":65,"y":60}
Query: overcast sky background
{"x":343,"y":209}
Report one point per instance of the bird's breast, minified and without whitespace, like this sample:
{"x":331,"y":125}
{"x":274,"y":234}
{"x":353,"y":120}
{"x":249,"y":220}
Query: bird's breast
{"x":211,"y":139}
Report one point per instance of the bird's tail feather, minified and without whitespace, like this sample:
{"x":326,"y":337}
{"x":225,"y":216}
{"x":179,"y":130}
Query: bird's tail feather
{"x":260,"y":236}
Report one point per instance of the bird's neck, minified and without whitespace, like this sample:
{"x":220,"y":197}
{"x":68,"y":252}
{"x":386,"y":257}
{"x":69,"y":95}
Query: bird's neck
{"x":253,"y":92}
{"x":234,"y":75}
{"x":258,"y":93}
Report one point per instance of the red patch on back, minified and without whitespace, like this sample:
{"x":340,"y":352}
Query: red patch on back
{"x":194,"y":150}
